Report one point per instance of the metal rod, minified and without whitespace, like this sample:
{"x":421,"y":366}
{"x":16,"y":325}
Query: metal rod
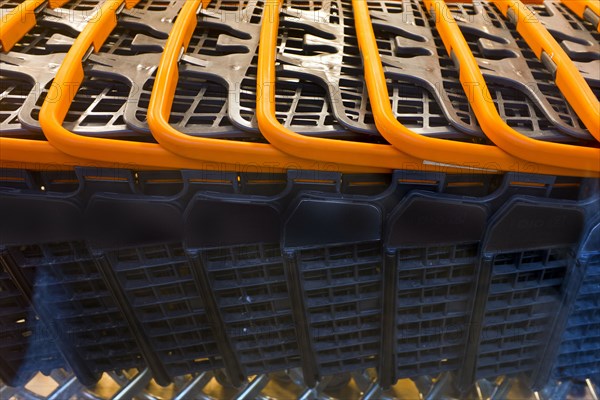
{"x":136,"y":385}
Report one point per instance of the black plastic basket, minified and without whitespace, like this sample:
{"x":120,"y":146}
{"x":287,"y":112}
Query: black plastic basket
{"x":332,"y":252}
{"x":54,"y":270}
{"x":578,"y":353}
{"x":523,"y":273}
{"x":430,"y":268}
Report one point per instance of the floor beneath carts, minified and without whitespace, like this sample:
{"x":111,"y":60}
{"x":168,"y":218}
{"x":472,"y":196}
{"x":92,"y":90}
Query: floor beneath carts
{"x":278,"y":387}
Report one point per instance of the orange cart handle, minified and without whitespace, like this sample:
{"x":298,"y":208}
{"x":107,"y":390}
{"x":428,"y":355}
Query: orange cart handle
{"x":161,"y":101}
{"x":546,"y":153}
{"x":438,"y":150}
{"x":305,"y":146}
{"x":144,"y":155}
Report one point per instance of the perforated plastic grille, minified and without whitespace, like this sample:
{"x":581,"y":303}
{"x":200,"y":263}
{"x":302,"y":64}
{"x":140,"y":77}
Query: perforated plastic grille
{"x":152,"y":5}
{"x":25,"y":346}
{"x":250,"y":286}
{"x":141,"y":112}
{"x":451,"y":83}
{"x":160,"y":287}
{"x":579,"y":353}
{"x":342,"y":291}
{"x":303,"y":104}
{"x":200,"y":106}
{"x":98,"y":103}
{"x":332,"y":41}
{"x":352,"y":86}
{"x":435,"y":287}
{"x":67,"y":283}
{"x":523,"y":297}
{"x":120,"y":42}
{"x":13,"y":92}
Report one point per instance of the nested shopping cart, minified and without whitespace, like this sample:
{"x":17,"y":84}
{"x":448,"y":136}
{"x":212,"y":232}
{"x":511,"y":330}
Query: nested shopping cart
{"x":299,"y":199}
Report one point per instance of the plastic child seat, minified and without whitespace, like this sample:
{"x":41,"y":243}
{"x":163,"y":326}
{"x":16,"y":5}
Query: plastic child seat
{"x":108,"y":102}
{"x":579,"y":40}
{"x":40,"y":155}
{"x":567,"y":77}
{"x":520,"y":85}
{"x":210,"y":98}
{"x":302,"y":145}
{"x":439,"y":150}
{"x":319,"y":45}
{"x":29,"y":67}
{"x":524,"y":267}
{"x":299,"y":145}
{"x":406,"y":43}
{"x":588,"y":10}
{"x":17,"y":22}
{"x":316,"y":40}
{"x":113,"y":97}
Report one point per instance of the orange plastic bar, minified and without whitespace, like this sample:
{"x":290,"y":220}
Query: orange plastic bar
{"x":331,"y":149}
{"x":20,"y":20}
{"x":161,"y":102}
{"x":65,"y":86}
{"x":567,"y":77}
{"x":581,"y":7}
{"x":39,"y":155}
{"x":441,"y":150}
